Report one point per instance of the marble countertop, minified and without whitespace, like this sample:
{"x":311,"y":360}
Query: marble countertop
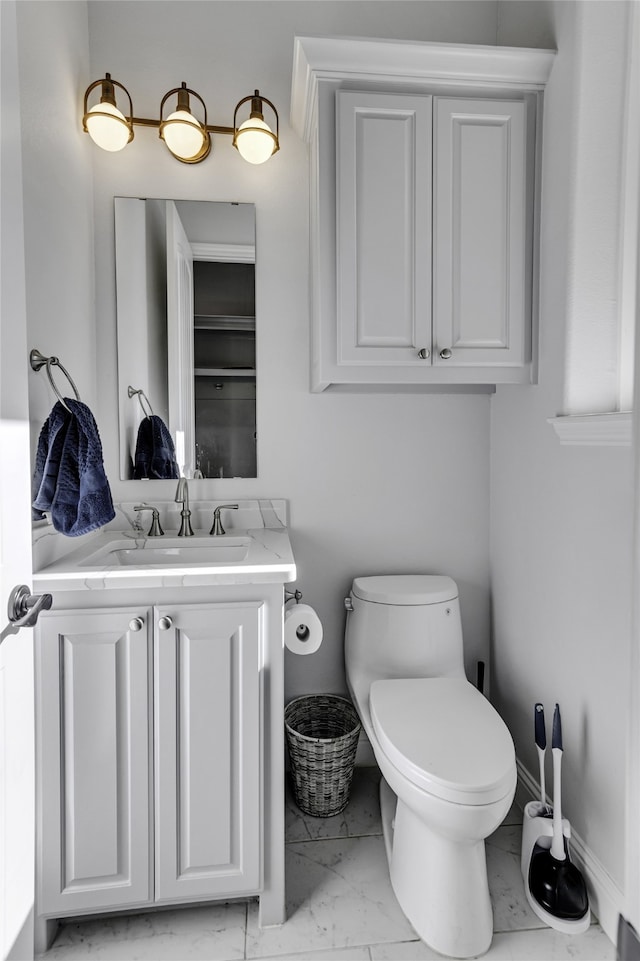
{"x":108,"y":559}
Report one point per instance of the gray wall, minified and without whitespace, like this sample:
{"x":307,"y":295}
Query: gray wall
{"x":561,"y":516}
{"x":376,"y":482}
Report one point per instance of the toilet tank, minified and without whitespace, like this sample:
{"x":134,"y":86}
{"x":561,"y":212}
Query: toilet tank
{"x":404,"y":626}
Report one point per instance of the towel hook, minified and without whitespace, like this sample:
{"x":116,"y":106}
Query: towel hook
{"x":38,"y":360}
{"x":131,"y":391}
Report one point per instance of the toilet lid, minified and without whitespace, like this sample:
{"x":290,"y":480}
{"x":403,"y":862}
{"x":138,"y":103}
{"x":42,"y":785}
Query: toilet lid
{"x":406,"y":588}
{"x":445,"y":737}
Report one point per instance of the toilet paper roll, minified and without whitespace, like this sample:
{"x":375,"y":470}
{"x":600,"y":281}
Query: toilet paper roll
{"x":302,"y":628}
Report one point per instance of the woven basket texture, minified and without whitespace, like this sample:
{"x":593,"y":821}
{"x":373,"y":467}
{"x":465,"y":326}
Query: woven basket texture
{"x":322,"y":735}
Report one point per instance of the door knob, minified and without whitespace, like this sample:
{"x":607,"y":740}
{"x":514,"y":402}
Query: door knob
{"x":424,"y":354}
{"x":136,"y":624}
{"x":23,"y":609}
{"x":445,"y":354}
{"x":165,"y":623}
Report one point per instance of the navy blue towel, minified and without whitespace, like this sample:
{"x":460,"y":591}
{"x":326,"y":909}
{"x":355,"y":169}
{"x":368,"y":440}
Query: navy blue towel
{"x":48,"y":453}
{"x":69,"y":477}
{"x":155,"y":454}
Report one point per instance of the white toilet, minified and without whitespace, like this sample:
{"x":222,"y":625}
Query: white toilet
{"x":447,"y":759}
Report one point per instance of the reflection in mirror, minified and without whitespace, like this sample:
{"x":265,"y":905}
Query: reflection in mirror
{"x":185,"y":298}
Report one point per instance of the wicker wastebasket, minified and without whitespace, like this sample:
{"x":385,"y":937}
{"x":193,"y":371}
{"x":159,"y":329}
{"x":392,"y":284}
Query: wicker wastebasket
{"x":322,"y":735}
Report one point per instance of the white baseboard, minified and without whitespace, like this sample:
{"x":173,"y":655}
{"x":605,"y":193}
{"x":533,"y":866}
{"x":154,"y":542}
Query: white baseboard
{"x":606,"y":898}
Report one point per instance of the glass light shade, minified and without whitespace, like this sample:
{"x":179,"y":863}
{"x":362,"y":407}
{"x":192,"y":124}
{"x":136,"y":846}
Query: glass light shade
{"x":106,"y":133}
{"x":253,"y":145}
{"x":186,"y":138}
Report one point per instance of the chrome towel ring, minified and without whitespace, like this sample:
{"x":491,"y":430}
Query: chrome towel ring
{"x":38,"y":360}
{"x":131,"y":391}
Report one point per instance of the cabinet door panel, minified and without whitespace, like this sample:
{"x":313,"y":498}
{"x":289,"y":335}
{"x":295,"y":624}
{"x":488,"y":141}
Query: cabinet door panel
{"x":383,"y":218}
{"x":480,"y":190}
{"x":95,"y":761}
{"x":208,"y":751}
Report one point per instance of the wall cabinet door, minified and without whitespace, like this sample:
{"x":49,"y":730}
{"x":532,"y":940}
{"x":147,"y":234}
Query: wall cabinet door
{"x":383,"y":223}
{"x":480,"y":305}
{"x":207,"y":750}
{"x":93,"y":671}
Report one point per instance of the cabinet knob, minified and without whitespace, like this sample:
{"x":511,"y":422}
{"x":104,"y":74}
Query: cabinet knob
{"x":165,"y":623}
{"x":136,"y":624}
{"x":445,"y":354}
{"x":424,"y":354}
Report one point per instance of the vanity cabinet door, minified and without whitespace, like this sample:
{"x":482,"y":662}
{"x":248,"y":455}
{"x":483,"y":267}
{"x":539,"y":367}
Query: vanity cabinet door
{"x":208,"y":750}
{"x":94,"y":727}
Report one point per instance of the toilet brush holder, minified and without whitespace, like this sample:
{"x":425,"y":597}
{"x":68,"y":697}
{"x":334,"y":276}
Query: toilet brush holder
{"x":537,"y":829}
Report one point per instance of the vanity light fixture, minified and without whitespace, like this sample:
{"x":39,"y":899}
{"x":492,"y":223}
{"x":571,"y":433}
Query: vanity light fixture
{"x":187,"y":137}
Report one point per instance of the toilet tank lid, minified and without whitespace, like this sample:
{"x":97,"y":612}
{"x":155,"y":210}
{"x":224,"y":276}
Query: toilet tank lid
{"x":405,"y":588}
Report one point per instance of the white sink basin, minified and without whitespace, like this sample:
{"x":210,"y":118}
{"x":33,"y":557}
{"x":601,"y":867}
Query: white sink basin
{"x":209,"y":552}
{"x":234,"y":549}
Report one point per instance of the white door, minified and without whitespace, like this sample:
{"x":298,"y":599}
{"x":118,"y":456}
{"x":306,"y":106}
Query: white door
{"x":480,"y":258}
{"x":207,"y":750}
{"x":16,"y":651}
{"x":93,"y":667}
{"x":180,"y":341}
{"x":383,"y":230}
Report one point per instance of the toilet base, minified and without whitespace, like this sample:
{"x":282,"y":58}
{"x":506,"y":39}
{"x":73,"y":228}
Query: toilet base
{"x":441,"y":885}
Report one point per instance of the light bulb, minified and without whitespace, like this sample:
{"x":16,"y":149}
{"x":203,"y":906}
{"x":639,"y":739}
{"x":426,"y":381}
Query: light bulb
{"x":254,"y":145}
{"x":110,"y":134}
{"x":185,"y":138}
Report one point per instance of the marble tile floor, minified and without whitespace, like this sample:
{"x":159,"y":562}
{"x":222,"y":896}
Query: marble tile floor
{"x":340,"y":906}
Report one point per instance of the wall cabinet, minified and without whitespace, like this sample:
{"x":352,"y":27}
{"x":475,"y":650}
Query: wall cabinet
{"x":424,"y":181}
{"x":153,"y":730}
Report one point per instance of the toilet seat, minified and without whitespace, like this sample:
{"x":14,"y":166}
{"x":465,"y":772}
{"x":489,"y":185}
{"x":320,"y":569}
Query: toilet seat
{"x":445,"y":737}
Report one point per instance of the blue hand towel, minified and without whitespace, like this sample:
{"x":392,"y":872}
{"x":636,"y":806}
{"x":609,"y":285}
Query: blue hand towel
{"x":78,"y":493}
{"x":155,"y":455}
{"x":49,"y":450}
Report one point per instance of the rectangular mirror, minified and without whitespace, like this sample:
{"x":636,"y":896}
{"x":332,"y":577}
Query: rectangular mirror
{"x":185,"y":300}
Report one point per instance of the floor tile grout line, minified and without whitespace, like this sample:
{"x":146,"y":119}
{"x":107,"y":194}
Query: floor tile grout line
{"x":336,"y":837}
{"x":339,"y":837}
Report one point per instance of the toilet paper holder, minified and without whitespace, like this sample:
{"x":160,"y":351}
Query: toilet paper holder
{"x":292,"y":595}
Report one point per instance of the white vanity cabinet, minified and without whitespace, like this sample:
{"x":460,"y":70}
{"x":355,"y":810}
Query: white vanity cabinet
{"x":160,"y":743}
{"x":424,"y":186}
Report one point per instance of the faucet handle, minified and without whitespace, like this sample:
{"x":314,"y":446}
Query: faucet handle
{"x":155,"y":530}
{"x":217,"y":527}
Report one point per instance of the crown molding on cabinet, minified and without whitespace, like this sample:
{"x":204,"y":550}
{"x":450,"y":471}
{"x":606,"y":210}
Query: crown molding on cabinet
{"x":404,"y":61}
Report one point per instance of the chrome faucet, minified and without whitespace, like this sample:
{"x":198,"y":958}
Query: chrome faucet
{"x":156,"y":529}
{"x":217,"y":523}
{"x":182,"y":497}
